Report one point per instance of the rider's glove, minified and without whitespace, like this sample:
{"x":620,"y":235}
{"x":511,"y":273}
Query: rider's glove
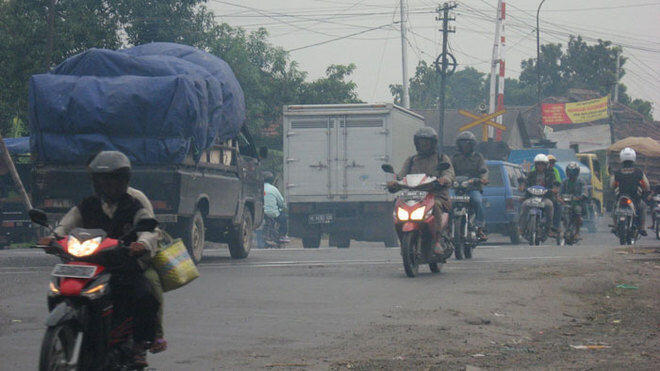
{"x":137,"y":249}
{"x":46,"y":241}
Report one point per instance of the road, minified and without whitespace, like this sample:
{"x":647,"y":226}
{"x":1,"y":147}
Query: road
{"x":354,"y":308}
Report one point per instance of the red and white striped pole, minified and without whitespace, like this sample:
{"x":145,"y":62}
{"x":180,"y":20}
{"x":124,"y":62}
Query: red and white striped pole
{"x":500,"y":82}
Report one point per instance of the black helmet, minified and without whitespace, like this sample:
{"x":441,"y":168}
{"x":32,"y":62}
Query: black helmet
{"x":466,"y":139}
{"x":572,"y":169}
{"x":426,"y":133}
{"x":268,"y":177}
{"x":111,"y":172}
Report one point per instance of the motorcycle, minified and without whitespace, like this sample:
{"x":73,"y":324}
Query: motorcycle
{"x":463,"y":227}
{"x":569,"y":229}
{"x":271,"y":233}
{"x":534,"y":230}
{"x":85,"y":329}
{"x":627,"y":221}
{"x":415,"y":221}
{"x":656,"y":215}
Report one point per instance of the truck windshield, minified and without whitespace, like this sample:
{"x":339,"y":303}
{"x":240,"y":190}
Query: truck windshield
{"x":495,"y":176}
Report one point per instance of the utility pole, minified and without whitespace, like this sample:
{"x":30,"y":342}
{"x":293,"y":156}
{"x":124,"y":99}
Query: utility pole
{"x":538,"y":57}
{"x":442,"y":63}
{"x":618,"y":74}
{"x":404,"y":58}
{"x":51,"y":34}
{"x":497,"y":75}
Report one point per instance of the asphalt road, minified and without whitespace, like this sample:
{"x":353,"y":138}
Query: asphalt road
{"x":291,"y":307}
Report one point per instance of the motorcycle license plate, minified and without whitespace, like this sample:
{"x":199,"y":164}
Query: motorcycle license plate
{"x":320,"y":219}
{"x":460,"y":198}
{"x":74,"y":271}
{"x":413,"y":195}
{"x":624,"y":212}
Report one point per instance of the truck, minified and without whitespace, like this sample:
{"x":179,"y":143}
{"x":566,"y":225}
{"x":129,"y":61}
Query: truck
{"x":192,"y":155}
{"x":333,"y":181}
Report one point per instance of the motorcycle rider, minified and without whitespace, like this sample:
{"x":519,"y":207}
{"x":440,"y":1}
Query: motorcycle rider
{"x":575,"y":186}
{"x":117,"y":208}
{"x":467,"y":162}
{"x":631,"y":181}
{"x":274,"y":204}
{"x":542,"y":176}
{"x":426,"y":161}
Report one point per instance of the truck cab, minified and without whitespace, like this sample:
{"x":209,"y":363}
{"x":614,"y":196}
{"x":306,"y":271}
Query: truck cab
{"x":591,"y":161}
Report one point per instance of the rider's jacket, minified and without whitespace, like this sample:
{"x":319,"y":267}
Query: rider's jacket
{"x":545,"y":179}
{"x":114,"y":219}
{"x":428,"y":164}
{"x":470,"y":165}
{"x":629,"y":181}
{"x":574,"y":188}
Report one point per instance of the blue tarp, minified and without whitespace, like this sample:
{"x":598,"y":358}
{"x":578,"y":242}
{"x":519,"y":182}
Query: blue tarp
{"x":154,"y":102}
{"x":18,"y":146}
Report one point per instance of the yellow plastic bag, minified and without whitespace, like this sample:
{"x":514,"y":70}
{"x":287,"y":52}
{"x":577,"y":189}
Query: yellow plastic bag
{"x":173,"y":264}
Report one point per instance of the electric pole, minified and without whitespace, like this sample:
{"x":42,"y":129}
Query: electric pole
{"x":404,"y":58}
{"x":443,"y":63}
{"x":538,"y":56}
{"x":497,"y":75}
{"x":618,"y":74}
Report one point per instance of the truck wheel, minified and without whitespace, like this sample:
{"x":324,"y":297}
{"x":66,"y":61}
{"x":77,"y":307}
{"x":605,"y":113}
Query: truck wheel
{"x":194,"y":236}
{"x":312,"y":242}
{"x":240,"y":238}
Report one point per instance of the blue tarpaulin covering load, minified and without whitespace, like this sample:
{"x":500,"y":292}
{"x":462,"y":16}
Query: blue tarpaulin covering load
{"x":155,"y":102}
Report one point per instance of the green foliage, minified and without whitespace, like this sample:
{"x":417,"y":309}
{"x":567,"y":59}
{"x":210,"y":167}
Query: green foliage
{"x":644,"y":107}
{"x":465,"y":88}
{"x":331,"y":89}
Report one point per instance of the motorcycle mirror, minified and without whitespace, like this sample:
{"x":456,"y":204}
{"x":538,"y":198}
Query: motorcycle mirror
{"x":483,"y":171}
{"x":39,"y":217}
{"x":146,"y":225}
{"x":443,"y":166}
{"x":387,"y":168}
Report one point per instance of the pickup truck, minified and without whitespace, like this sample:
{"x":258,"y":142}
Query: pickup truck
{"x":220,"y":198}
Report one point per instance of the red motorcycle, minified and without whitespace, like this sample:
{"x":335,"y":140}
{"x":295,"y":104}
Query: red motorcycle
{"x":414,"y":221}
{"x":86,"y":331}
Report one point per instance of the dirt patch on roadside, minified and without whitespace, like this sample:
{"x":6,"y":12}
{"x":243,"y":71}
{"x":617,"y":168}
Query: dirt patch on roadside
{"x":604,"y":314}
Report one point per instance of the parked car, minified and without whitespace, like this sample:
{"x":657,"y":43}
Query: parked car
{"x":502,"y":199}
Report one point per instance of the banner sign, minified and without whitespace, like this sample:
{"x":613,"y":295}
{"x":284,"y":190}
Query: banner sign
{"x":575,"y":113}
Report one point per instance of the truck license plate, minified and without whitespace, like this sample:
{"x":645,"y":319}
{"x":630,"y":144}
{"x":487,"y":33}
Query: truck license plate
{"x":320,"y":219}
{"x":74,"y":271}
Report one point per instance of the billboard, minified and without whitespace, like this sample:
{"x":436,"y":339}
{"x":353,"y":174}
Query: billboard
{"x":576,"y":112}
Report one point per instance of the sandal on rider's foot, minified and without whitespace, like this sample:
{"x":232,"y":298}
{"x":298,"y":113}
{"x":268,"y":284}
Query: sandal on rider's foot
{"x":159,"y":345}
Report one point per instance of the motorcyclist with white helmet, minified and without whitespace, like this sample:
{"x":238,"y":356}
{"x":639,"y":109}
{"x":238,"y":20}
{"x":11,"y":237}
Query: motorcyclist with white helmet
{"x":631,"y":181}
{"x":543,"y":176}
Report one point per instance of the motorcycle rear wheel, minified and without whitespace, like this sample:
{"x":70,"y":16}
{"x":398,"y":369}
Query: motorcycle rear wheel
{"x":459,"y":242}
{"x":57,"y":347}
{"x":657,"y":229}
{"x":408,"y":246}
{"x":434,"y":267}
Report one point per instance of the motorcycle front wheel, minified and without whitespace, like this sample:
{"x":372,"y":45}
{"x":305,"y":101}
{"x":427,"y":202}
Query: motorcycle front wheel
{"x":657,"y":229}
{"x":459,"y":241}
{"x":57,"y":347}
{"x":409,"y":245}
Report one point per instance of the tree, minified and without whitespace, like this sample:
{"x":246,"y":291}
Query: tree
{"x":78,"y":25}
{"x":552,"y":80}
{"x":465,"y":88}
{"x":331,"y":89}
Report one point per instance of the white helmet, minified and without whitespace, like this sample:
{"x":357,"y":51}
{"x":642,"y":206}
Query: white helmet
{"x":627,"y":154}
{"x":541,"y":158}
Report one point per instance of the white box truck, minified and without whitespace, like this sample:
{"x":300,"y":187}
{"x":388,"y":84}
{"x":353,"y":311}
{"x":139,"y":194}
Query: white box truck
{"x":333,"y":181}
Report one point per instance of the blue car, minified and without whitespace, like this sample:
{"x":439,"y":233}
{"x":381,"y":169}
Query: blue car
{"x":502,"y":199}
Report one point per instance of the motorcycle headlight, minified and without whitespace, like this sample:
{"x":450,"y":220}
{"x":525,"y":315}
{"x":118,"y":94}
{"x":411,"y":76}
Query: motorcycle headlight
{"x":76,"y":248}
{"x":455,"y":184}
{"x":402,"y":215}
{"x":418,"y":214}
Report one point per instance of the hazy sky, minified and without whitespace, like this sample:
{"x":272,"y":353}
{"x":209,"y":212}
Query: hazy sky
{"x":635,"y":24}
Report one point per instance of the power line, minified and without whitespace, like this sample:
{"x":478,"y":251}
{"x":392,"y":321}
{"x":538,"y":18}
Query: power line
{"x":341,"y":37}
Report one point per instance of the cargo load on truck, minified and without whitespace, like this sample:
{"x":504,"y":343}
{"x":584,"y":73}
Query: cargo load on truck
{"x":156,"y":103}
